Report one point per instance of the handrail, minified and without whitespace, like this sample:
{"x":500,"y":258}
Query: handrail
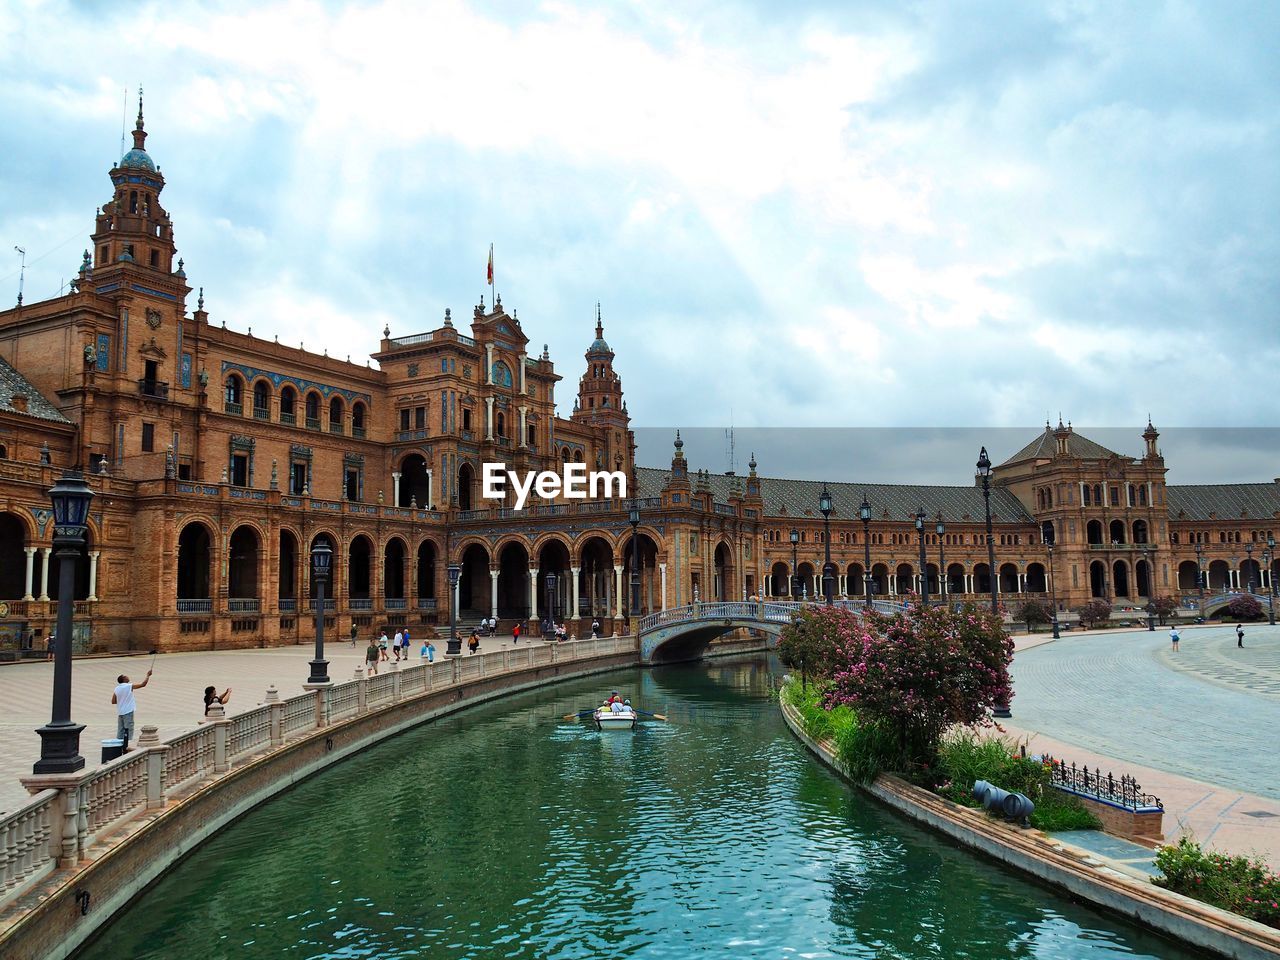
{"x":772,"y":611}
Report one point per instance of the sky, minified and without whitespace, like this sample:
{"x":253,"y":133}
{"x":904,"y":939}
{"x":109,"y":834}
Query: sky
{"x":954,"y":216}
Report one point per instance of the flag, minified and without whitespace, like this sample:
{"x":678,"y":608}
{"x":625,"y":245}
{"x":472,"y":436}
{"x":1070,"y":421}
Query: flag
{"x":491,"y":264}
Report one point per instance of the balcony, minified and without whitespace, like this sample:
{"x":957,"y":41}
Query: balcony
{"x":360,"y":603}
{"x":261,"y":413}
{"x":289,"y":417}
{"x":243,"y":604}
{"x":426,"y":603}
{"x":328,"y":604}
{"x":357,"y":431}
{"x":195,"y":606}
{"x":288,"y":604}
{"x":313,"y":423}
{"x":236,"y":409}
{"x":158,"y":389}
{"x":396,"y":603}
{"x":335,"y":427}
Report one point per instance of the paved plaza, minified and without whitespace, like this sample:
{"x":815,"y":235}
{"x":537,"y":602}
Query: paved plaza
{"x":173,"y":700}
{"x":1197,"y":728}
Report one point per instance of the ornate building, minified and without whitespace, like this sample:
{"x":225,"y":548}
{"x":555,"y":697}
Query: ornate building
{"x":219,"y":458}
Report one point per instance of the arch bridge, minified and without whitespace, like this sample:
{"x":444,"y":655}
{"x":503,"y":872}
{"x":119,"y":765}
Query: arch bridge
{"x":683,"y":633}
{"x":1214,"y":602}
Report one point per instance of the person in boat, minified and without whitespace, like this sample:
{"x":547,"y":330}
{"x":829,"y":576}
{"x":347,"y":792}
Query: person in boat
{"x":615,"y":706}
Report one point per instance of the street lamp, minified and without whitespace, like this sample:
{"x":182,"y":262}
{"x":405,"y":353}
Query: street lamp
{"x":795,"y":577}
{"x":633,"y":516}
{"x":1200,"y":575}
{"x":828,"y":577}
{"x":984,"y":471}
{"x":864,"y":511}
{"x":1271,"y":578}
{"x":321,"y":558}
{"x":1249,"y":550}
{"x":940,"y":528}
{"x":924,"y":561}
{"x":454,"y":648}
{"x":60,"y":737}
{"x":552,"y":579}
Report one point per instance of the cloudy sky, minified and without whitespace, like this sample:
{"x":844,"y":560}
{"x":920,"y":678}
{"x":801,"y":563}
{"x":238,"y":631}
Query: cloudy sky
{"x":935,"y":215}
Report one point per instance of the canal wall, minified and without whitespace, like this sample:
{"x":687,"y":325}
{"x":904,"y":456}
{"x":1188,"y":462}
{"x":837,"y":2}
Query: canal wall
{"x":85,"y":846}
{"x":1079,"y":873}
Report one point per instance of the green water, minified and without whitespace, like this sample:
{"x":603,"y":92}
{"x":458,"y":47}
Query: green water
{"x":505,"y":832}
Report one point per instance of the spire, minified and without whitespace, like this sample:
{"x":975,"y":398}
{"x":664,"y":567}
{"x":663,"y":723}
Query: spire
{"x":139,"y":131}
{"x":599,"y":323}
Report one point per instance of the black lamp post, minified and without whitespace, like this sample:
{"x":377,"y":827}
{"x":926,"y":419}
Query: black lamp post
{"x":454,"y":647}
{"x":321,"y":559}
{"x":1200,"y":575}
{"x":828,"y":574}
{"x":552,"y":580}
{"x":1249,"y":551}
{"x":1271,"y":578}
{"x":864,"y":512}
{"x":984,"y":471}
{"x":940,"y":529}
{"x":1053,"y":585}
{"x":924,"y":560}
{"x":60,"y":737}
{"x":633,"y":516}
{"x":795,"y":577}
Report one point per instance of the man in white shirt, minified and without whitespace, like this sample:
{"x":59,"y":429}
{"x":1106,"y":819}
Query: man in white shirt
{"x":125,"y":705}
{"x":398,"y":644}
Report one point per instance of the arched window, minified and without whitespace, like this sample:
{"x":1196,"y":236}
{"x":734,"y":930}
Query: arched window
{"x":262,"y":400}
{"x":501,"y":425}
{"x":4,"y":452}
{"x":532,"y":437}
{"x":288,"y":405}
{"x":313,"y":411}
{"x":357,"y":420}
{"x":1088,"y":496}
{"x":234,"y":394}
{"x":1142,"y":495}
{"x":335,"y":415}
{"x":501,"y":374}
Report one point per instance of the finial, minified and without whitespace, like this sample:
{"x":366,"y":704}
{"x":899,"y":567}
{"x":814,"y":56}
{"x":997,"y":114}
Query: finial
{"x":497,"y":301}
{"x":386,"y":331}
{"x":138,"y":125}
{"x":448,"y":317}
{"x":139,"y":133}
{"x":599,"y":323}
{"x":85,"y":263}
{"x":546,"y":354}
{"x":752,"y":462}
{"x":200,"y":301}
{"x":181,"y":269}
{"x":679,"y":442}
{"x":45,"y":457}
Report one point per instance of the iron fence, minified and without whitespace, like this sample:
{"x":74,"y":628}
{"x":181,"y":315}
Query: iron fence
{"x":1123,"y":791}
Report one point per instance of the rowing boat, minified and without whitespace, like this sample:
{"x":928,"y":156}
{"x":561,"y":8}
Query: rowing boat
{"x":607,"y":719}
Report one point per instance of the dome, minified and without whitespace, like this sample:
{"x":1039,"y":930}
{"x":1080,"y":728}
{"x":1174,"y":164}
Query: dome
{"x":599,"y":346}
{"x":139,"y":159}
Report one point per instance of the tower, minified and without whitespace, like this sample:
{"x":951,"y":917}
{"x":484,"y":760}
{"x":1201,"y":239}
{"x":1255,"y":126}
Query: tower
{"x":600,"y":404}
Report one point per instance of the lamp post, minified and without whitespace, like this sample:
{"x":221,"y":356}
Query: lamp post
{"x":864,"y":512}
{"x":1048,"y":535}
{"x":1200,"y":575}
{"x":940,"y":528}
{"x":795,"y":577}
{"x":828,"y":577}
{"x":321,"y":559}
{"x":984,"y":471}
{"x":633,"y":516}
{"x":552,"y":580}
{"x":924,"y":561}
{"x":1271,"y":578}
{"x":1249,"y":551}
{"x":1151,"y":580}
{"x":454,"y":647}
{"x":60,"y":737}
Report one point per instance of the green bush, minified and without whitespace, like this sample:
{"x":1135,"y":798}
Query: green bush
{"x":1238,"y":884}
{"x":860,"y":746}
{"x":964,"y":756}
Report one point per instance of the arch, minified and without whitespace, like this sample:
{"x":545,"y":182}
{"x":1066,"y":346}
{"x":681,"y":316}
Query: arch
{"x":513,"y":581}
{"x":722,"y":585}
{"x":288,"y":403}
{"x":415,"y":482}
{"x":595,"y":576}
{"x":312,"y":408}
{"x":1219,"y":575}
{"x":981,"y":578}
{"x":262,"y":399}
{"x":244,"y":562}
{"x":1009,"y":579}
{"x":1188,"y":578}
{"x":13,"y":558}
{"x":1140,"y":529}
{"x":805,"y":574}
{"x":1098,"y":579}
{"x":1250,"y":575}
{"x":233,"y":390}
{"x":1117,"y":533}
{"x":393,"y":569}
{"x":4,"y":452}
{"x":855,"y":581}
{"x":905,"y":578}
{"x":552,"y":557}
{"x":779,"y":582}
{"x":500,"y":424}
{"x":473,"y":583}
{"x":1120,"y":578}
{"x":1036,"y":580}
{"x":1093,"y":531}
{"x":358,"y":418}
{"x":1142,"y":578}
{"x":360,"y":568}
{"x":288,"y":580}
{"x":955,"y":578}
{"x":649,"y":585}
{"x":331,"y":587}
{"x":195,"y":551}
{"x":466,"y":486}
{"x":879,"y":579}
{"x":428,"y":554}
{"x":336,"y":409}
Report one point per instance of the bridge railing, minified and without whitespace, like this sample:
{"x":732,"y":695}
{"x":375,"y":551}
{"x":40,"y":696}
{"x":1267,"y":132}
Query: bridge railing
{"x":772,"y":611}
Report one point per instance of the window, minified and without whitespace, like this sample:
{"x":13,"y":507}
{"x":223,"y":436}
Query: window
{"x":184,"y":471}
{"x":357,"y":420}
{"x":155,"y":258}
{"x":288,"y":405}
{"x":4,"y":452}
{"x":466,"y":420}
{"x":234,"y":394}
{"x":313,"y":411}
{"x":239,"y":470}
{"x":148,"y":438}
{"x":353,"y":484}
{"x":102,"y":255}
{"x":502,"y":425}
{"x":404,"y":419}
{"x":133,"y":201}
{"x":420,"y":418}
{"x":1115,"y":496}
{"x":1088,"y":499}
{"x":297,"y":478}
{"x":261,"y":400}
{"x":532,"y":437}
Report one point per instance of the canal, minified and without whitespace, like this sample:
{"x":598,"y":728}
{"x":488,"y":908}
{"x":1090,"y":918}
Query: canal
{"x":504,"y":831}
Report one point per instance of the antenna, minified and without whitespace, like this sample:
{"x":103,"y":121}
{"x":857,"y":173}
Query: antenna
{"x":22,"y":270}
{"x":124,"y":119}
{"x":730,"y":453}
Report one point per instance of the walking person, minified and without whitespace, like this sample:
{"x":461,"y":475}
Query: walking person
{"x":1240,"y":635}
{"x":125,"y":705}
{"x":372,"y":655}
{"x":355,"y":633}
{"x":382,"y":645}
{"x":49,"y":644}
{"x":1174,"y":638}
{"x":515,"y":633}
{"x":398,"y":644}
{"x":473,"y":642}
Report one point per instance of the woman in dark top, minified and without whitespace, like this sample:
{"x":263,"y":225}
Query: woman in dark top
{"x":211,"y":696}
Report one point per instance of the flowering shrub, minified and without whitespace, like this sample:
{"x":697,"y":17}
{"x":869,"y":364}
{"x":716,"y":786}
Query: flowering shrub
{"x":1244,"y":607}
{"x":1032,"y":612}
{"x":912,"y":675}
{"x":1165,"y":607}
{"x":1094,"y":612}
{"x":1238,"y":884}
{"x":813,"y":640}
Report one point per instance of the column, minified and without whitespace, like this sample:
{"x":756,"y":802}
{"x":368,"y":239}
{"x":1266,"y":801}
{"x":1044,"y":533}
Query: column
{"x":488,"y":362}
{"x":93,"y":574}
{"x":662,"y":576}
{"x":493,"y":593}
{"x":574,"y":601}
{"x":31,"y":569}
{"x":44,"y":572}
{"x":488,"y":418}
{"x":523,"y":390}
{"x":395,"y":488}
{"x":893,"y":584}
{"x":533,"y":593}
{"x":617,"y":588}
{"x":1022,"y":583}
{"x":523,"y":413}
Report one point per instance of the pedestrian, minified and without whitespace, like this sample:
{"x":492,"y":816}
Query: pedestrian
{"x":125,"y":705}
{"x":382,"y":645}
{"x":595,"y":628}
{"x":1173,"y":638}
{"x":372,"y":655}
{"x":1240,"y":635}
{"x":473,"y":643}
{"x":398,"y":644}
{"x":431,"y":652}
{"x":408,"y":643}
{"x":355,"y":632}
{"x":515,"y":633}
{"x":48,"y":648}
{"x":211,"y":696}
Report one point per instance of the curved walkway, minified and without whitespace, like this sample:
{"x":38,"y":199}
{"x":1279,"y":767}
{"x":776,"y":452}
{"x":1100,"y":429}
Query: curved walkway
{"x":1198,"y":727}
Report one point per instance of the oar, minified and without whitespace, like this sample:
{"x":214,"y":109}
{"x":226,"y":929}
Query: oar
{"x":646,"y":713}
{"x":580,"y":715}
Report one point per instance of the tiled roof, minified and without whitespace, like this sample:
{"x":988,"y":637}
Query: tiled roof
{"x":799,"y":498}
{"x":1227,"y":501}
{"x":12,"y":383}
{"x":1044,"y":446}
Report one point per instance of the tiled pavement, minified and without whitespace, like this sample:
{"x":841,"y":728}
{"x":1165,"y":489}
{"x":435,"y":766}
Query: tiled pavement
{"x":172,"y":700}
{"x":1197,"y":728}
